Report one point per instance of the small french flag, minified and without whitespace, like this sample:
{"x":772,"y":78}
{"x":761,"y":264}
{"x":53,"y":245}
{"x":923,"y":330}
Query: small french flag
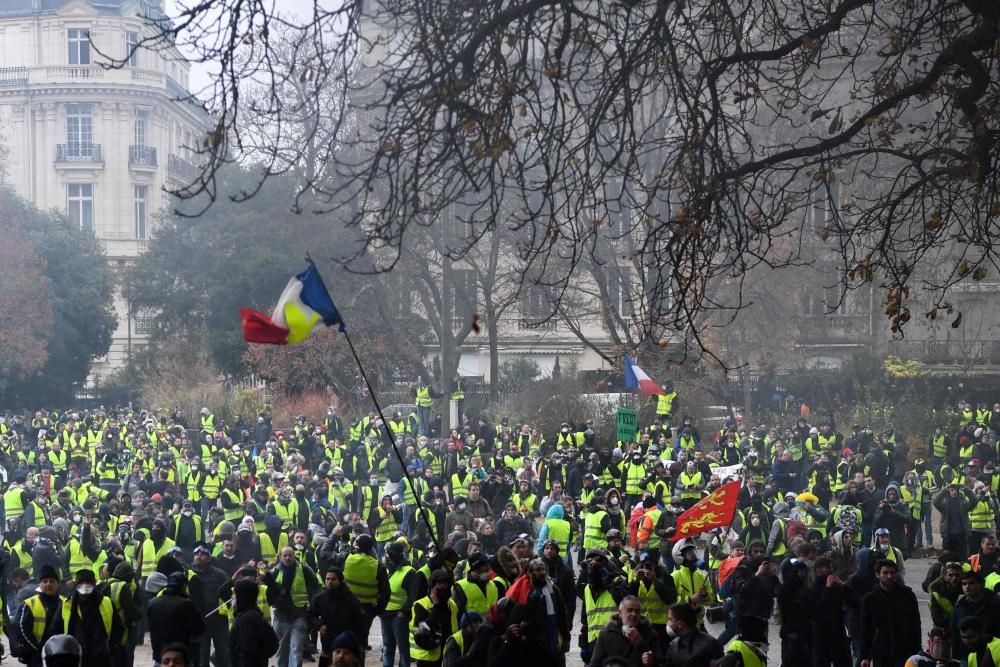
{"x":635,"y":377}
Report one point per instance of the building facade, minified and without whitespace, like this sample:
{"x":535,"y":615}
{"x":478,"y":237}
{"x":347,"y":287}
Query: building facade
{"x":99,"y":142}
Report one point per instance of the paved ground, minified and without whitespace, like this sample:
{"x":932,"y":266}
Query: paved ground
{"x":916,"y":569}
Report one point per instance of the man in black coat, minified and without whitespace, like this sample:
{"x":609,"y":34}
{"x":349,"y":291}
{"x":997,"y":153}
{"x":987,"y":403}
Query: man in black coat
{"x":173,"y":617}
{"x":252,"y":640}
{"x":204,"y":584}
{"x":336,"y":609}
{"x":890,"y":621}
{"x":830,"y":598}
{"x":755,"y":583}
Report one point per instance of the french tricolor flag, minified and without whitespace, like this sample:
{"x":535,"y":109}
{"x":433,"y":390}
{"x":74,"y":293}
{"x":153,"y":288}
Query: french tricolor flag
{"x":635,"y":377}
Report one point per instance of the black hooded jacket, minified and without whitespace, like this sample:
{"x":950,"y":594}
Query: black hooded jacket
{"x":252,"y":640}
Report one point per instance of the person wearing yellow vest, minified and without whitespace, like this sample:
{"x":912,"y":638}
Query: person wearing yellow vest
{"x":602,"y":593}
{"x":666,"y":403}
{"x":386,"y":521}
{"x":207,"y":422}
{"x":368,"y":580}
{"x":424,"y":396}
{"x":123,"y":591}
{"x":40,"y":618}
{"x":477,"y":591}
{"x":690,"y":483}
{"x":457,"y":646}
{"x":187,"y":529}
{"x":692,"y":584}
{"x":983,"y":648}
{"x":647,"y":527}
{"x":285,"y":508}
{"x":982,"y":515}
{"x":557,"y":529}
{"x":433,"y":620}
{"x":403,"y":585}
{"x":883,"y":550}
{"x":944,"y":593}
{"x":291,"y":586}
{"x":750,"y":649}
{"x":273,"y":539}
{"x":89,"y":617}
{"x":629,"y":632}
{"x":145,"y":553}
{"x":655,"y":591}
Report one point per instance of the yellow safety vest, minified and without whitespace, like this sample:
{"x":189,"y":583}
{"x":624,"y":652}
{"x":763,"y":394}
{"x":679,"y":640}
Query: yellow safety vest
{"x":106,"y":608}
{"x":981,"y":516}
{"x":300,"y":592}
{"x":37,"y":610}
{"x":150,"y":555}
{"x":597,"y":612}
{"x":13,"y":507}
{"x":387,"y":527}
{"x":559,"y":532}
{"x":653,"y":605}
{"x":993,"y":647}
{"x":116,"y":588}
{"x":287,"y":513}
{"x":476,"y":599}
{"x":593,"y":536}
{"x":233,"y":513}
{"x":77,"y":559}
{"x":687,"y":480}
{"x":424,"y":397}
{"x":208,"y":424}
{"x":938,"y":447}
{"x":268,"y":549}
{"x":361,"y":575}
{"x":750,"y":657}
{"x":633,"y":479}
{"x":432,"y":654}
{"x":460,"y":487}
{"x":397,"y":593}
{"x":688,"y":583}
{"x":665,"y":403}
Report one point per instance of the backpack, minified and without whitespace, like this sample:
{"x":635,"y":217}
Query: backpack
{"x":847,"y":519}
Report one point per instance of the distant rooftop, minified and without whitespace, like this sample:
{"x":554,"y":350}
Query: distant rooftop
{"x":151,"y":9}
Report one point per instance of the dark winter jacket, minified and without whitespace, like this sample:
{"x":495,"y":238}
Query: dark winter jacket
{"x":339,"y":610}
{"x":252,"y":640}
{"x":890,"y":625}
{"x":173,"y":618}
{"x":613,"y":642}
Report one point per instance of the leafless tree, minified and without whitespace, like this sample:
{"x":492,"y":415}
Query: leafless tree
{"x":724,"y":123}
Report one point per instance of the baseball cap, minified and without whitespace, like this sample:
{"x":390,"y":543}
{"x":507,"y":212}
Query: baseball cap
{"x":882,"y":531}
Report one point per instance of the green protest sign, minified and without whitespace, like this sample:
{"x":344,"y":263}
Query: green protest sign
{"x":627,"y":425}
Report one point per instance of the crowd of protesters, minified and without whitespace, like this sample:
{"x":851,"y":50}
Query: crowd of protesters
{"x":229,"y":543}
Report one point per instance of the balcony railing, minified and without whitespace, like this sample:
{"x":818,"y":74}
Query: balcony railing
{"x":142,"y":156}
{"x":83,"y":153}
{"x":76,"y":72}
{"x":13,"y":76}
{"x":181,"y":169}
{"x":535,"y":325}
{"x":22,"y":76}
{"x":947,"y":352}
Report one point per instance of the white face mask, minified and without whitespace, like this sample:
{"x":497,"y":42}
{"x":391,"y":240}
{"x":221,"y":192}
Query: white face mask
{"x":85,"y":589}
{"x":188,"y":512}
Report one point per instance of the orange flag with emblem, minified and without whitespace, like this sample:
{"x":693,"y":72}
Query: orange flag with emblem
{"x":713,"y":511}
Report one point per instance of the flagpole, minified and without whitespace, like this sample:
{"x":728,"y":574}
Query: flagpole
{"x":392,"y":439}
